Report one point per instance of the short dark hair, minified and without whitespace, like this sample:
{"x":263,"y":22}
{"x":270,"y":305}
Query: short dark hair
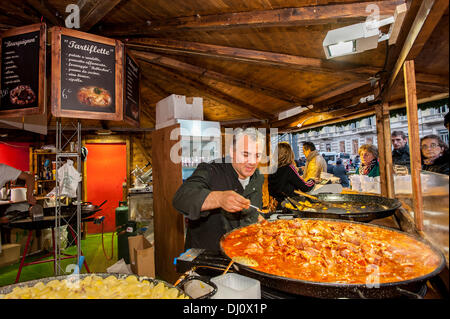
{"x":309,"y":146}
{"x":399,"y":133}
{"x":338,"y":161}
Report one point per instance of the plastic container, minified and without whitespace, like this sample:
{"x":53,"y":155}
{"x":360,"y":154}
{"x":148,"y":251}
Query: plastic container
{"x":235,"y":286}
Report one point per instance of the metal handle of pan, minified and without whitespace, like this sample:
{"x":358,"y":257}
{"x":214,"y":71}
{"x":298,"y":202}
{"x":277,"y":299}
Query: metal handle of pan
{"x":408,"y":293}
{"x":102,"y":203}
{"x":182,"y":283}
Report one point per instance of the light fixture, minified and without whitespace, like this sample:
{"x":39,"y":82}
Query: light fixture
{"x":355,"y":38}
{"x":103,"y":132}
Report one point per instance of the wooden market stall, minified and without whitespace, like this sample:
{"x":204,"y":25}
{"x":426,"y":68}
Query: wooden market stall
{"x":250,"y":62}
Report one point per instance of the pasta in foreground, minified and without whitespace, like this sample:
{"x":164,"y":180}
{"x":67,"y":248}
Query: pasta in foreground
{"x":95,"y":287}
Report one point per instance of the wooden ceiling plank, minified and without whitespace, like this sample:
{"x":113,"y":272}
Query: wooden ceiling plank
{"x":47,"y":11}
{"x":338,"y":91}
{"x":296,"y":16}
{"x":213,"y":93}
{"x":425,"y":21}
{"x":202,"y":72}
{"x":93,"y":11}
{"x":254,"y":56}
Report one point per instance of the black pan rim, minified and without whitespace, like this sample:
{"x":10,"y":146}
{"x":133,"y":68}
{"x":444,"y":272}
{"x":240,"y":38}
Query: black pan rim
{"x":345,"y":285}
{"x":396,"y":204}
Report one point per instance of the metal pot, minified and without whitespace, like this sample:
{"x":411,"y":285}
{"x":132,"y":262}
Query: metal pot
{"x":341,"y":290}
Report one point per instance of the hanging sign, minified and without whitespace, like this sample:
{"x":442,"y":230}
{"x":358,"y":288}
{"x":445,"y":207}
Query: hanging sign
{"x":131,"y":90}
{"x":87,"y":75}
{"x":22,"y":70}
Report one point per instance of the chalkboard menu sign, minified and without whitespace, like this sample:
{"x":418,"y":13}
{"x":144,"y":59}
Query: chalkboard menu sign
{"x":131,"y":90}
{"x":22,"y":86}
{"x":86,"y":75}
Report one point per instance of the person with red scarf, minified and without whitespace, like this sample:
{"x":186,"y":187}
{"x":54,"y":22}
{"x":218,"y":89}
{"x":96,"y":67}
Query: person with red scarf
{"x":369,"y":161}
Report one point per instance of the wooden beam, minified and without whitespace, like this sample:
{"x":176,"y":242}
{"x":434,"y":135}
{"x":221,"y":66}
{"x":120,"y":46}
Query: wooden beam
{"x":432,"y":87}
{"x":277,"y":60}
{"x":384,"y":150}
{"x":284,"y":17}
{"x":414,"y":141}
{"x":425,"y":21}
{"x":213,"y":93}
{"x":92,"y":11}
{"x":202,"y":72}
{"x":338,"y":91}
{"x":47,"y":11}
{"x":309,"y":119}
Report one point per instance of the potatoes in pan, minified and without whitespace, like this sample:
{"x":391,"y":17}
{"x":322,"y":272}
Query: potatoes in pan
{"x":95,"y":287}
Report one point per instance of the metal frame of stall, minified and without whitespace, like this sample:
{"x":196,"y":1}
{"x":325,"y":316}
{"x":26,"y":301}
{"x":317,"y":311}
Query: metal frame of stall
{"x":62,"y":141}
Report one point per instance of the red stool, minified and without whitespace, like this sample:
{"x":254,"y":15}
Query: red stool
{"x":40,"y":261}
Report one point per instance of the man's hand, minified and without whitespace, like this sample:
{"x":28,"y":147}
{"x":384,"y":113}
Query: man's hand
{"x":228,"y":200}
{"x":233,"y":202}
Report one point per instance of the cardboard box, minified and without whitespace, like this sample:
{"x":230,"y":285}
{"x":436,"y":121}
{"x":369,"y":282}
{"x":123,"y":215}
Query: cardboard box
{"x":10,"y":254}
{"x":174,"y":107}
{"x":142,"y":256}
{"x":20,"y":236}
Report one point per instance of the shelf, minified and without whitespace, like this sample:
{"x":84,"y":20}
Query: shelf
{"x":44,"y":153}
{"x":45,"y":180}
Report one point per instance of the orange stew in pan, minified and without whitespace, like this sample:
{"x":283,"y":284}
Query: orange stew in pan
{"x":331,"y":251}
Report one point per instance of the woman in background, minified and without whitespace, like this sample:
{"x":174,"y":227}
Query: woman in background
{"x":435,"y":156}
{"x":287,"y":178}
{"x":369,"y":161}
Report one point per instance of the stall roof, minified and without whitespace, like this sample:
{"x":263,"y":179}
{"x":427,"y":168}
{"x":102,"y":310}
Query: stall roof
{"x":251,"y":60}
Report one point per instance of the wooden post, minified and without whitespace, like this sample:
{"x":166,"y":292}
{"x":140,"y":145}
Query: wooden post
{"x":414,"y":141}
{"x":384,"y":150}
{"x":381,"y":149}
{"x":168,"y":222}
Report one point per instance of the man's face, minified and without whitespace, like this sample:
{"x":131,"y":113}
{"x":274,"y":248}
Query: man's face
{"x":246,"y":156}
{"x":398,"y":142}
{"x":306,"y":152}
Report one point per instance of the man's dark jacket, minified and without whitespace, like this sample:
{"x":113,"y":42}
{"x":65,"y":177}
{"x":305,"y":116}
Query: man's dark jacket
{"x":401,"y":157}
{"x":205,"y":228}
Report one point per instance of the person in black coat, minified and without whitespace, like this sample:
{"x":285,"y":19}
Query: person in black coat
{"x":340,"y":171}
{"x":435,"y":155}
{"x":287,"y":178}
{"x":400,"y":152}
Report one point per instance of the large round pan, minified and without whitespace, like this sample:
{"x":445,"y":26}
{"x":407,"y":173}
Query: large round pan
{"x":327,"y":290}
{"x":31,"y":283}
{"x":374,"y":207}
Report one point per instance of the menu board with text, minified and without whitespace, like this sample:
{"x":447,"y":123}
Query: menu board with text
{"x":131,"y":90}
{"x":23,"y":71}
{"x":86,"y":75}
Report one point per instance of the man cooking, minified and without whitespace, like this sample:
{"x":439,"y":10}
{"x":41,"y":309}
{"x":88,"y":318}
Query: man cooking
{"x":400,"y":153}
{"x":216,"y":198}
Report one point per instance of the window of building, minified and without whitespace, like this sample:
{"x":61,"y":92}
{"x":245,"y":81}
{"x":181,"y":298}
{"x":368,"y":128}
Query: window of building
{"x":355,"y":146}
{"x":342,"y":146}
{"x":328,"y":147}
{"x":369,"y":140}
{"x":442,"y":109}
{"x":443,"y":134}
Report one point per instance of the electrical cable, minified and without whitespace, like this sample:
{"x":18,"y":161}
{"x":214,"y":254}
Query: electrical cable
{"x":112,"y":244}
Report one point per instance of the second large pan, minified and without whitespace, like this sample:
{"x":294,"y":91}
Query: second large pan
{"x":362,"y":208}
